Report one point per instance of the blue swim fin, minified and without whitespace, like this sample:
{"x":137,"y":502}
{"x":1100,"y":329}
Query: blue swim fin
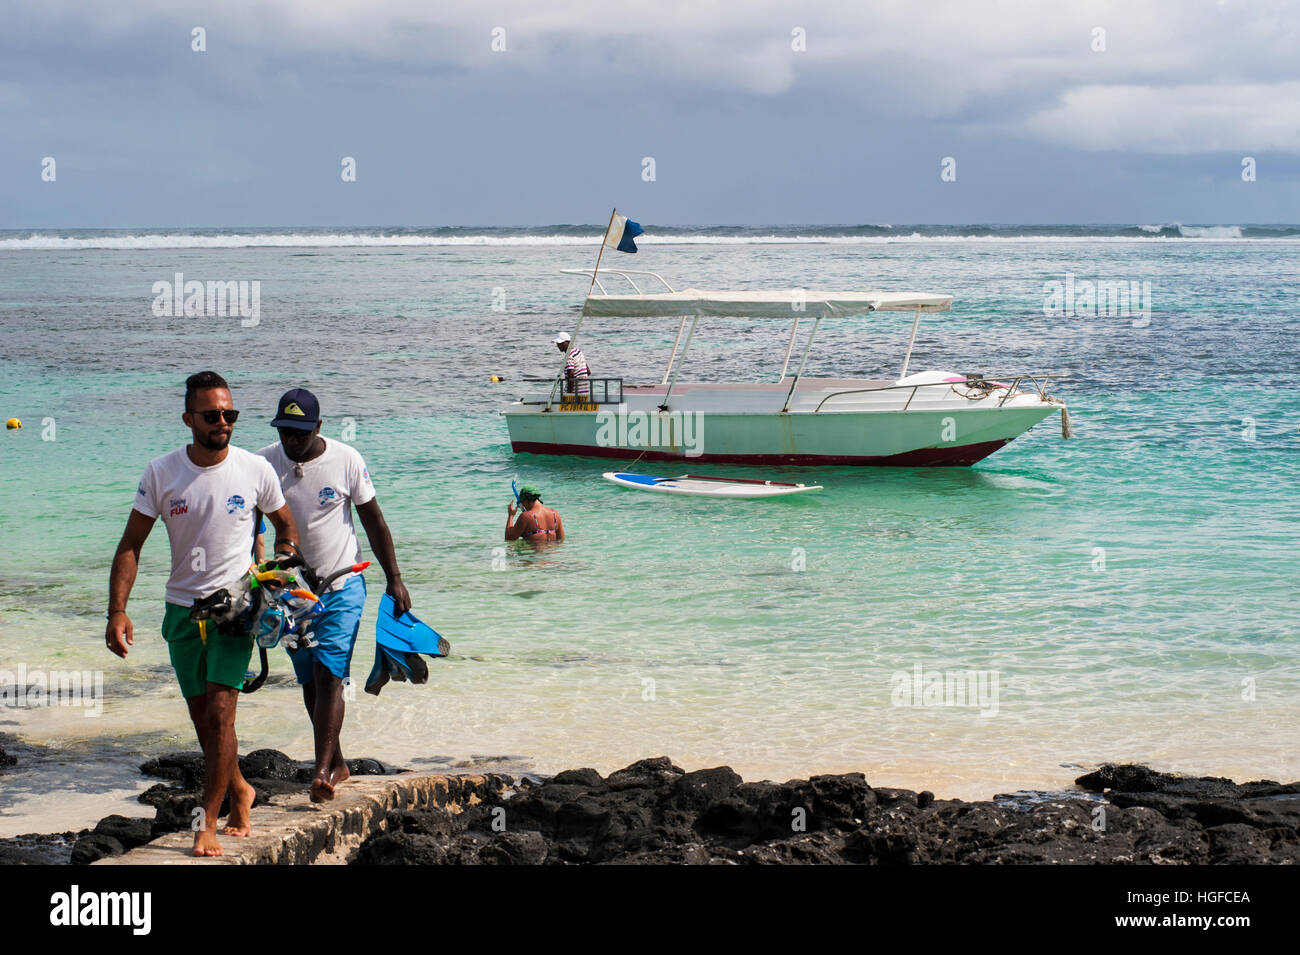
{"x":407,"y":633}
{"x":399,"y":641}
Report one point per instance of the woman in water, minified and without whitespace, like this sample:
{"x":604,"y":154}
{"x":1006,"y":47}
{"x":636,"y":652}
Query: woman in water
{"x":536,"y":521}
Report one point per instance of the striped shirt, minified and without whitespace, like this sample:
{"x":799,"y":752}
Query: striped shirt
{"x":575,"y":370}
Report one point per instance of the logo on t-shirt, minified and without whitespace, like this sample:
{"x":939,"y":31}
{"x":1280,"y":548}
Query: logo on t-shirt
{"x":365,"y":475}
{"x":178,"y":506}
{"x":326,"y":495}
{"x":234,"y":503}
{"x":140,"y":489}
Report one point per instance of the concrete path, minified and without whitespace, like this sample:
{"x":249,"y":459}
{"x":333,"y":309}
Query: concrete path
{"x":291,"y":830}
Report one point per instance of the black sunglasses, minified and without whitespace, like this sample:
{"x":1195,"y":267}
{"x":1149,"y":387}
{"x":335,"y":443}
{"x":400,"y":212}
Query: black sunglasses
{"x":211,"y":417}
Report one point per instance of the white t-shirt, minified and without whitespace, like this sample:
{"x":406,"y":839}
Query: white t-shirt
{"x":321,"y":503}
{"x":209,"y":516}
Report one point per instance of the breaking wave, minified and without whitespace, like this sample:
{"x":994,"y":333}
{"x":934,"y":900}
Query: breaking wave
{"x":562,"y":235}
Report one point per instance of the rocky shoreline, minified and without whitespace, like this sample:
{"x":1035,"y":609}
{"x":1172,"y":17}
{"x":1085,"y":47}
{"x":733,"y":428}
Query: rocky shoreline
{"x":653,"y":812}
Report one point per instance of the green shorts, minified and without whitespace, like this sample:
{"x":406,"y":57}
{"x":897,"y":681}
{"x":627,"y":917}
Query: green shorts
{"x":222,"y":659}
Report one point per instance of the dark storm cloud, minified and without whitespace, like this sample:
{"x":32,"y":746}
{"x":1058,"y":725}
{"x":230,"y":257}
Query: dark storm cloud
{"x":742,"y":126}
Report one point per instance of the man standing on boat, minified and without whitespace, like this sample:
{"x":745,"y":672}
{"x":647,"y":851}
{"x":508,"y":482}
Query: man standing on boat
{"x":206,"y":494}
{"x":322,"y":479}
{"x":576,"y":371}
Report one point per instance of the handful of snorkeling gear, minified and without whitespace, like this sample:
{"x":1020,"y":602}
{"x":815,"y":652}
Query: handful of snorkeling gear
{"x":275,"y":601}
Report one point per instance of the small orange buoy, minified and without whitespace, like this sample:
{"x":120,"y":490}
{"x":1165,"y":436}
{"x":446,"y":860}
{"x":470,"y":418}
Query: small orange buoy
{"x":13,"y":424}
{"x":496,"y":378}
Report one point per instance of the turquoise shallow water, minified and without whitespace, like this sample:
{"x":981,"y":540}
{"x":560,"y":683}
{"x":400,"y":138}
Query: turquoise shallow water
{"x":1131,"y":589}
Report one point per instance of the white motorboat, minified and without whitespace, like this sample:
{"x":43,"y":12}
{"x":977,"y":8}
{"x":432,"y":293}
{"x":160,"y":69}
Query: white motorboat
{"x":927,"y":418}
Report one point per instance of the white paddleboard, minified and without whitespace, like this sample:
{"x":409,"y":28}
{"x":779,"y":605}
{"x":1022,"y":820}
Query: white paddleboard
{"x":704,"y":486}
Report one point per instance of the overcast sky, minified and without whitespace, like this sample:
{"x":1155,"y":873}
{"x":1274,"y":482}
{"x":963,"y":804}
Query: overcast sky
{"x":743,"y":128}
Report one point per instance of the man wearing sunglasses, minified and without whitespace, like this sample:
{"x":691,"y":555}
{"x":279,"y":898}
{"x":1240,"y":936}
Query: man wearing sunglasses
{"x":322,"y":480}
{"x":206,"y":494}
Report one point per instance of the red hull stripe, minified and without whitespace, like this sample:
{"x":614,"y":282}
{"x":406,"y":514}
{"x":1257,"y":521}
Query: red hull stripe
{"x":954,"y":457}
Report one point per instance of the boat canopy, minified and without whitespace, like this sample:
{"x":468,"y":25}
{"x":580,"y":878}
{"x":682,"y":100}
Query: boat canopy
{"x":767,"y":303}
{"x":694,"y":304}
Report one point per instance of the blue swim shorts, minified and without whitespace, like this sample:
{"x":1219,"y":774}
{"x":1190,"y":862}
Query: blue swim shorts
{"x":335,"y":631}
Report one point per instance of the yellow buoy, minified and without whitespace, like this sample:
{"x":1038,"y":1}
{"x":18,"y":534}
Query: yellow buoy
{"x":496,"y":378}
{"x":13,"y":424}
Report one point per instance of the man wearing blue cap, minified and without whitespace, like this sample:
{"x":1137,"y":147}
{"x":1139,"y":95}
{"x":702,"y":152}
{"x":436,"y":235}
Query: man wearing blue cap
{"x":321,"y":479}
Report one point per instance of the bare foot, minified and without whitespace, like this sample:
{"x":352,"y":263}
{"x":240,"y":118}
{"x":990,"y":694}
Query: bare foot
{"x":321,"y":788}
{"x":205,"y":843}
{"x":340,"y":774}
{"x":240,"y":822}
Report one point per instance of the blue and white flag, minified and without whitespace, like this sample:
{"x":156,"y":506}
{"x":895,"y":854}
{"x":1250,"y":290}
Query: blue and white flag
{"x":621,"y":233}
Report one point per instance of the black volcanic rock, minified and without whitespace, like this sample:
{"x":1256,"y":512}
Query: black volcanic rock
{"x":702,"y":788}
{"x":112,"y":836}
{"x":1140,"y":779}
{"x":95,"y":846}
{"x":263,"y":767}
{"x":128,"y":831}
{"x":654,"y":813}
{"x":644,"y":771}
{"x":370,"y":767}
{"x":587,"y":778}
{"x":269,"y":764}
{"x":184,"y":768}
{"x":53,"y":848}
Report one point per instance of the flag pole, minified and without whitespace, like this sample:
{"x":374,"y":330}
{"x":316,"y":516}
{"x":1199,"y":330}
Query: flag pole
{"x":560,"y":377}
{"x":613,"y":212}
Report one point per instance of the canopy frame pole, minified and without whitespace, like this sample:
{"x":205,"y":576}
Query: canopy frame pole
{"x":802,"y":362}
{"x":911,"y":341}
{"x":669,"y":370}
{"x":790,"y":348}
{"x":695,"y":320}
